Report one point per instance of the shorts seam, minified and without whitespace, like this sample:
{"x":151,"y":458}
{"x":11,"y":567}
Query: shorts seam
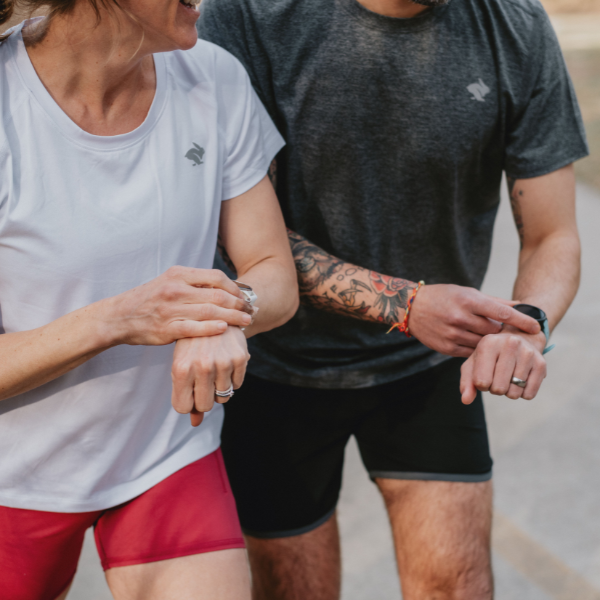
{"x":269,"y":535}
{"x":189,"y":550}
{"x":430,"y":476}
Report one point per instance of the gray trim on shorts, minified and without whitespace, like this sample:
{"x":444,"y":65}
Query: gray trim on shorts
{"x":416,"y":476}
{"x":269,"y":535}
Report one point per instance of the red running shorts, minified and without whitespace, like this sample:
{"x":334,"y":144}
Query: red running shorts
{"x":190,"y":512}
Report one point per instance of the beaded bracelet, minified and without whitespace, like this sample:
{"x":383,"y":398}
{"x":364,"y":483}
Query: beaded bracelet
{"x":403,"y":327}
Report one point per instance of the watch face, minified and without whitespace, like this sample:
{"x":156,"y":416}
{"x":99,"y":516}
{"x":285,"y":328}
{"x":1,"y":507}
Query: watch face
{"x":531,"y":311}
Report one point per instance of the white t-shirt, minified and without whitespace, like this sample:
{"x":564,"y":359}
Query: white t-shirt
{"x":85,"y":217}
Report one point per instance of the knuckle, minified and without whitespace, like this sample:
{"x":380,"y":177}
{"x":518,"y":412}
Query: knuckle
{"x":206,"y":369}
{"x":455,"y":317}
{"x":170,"y":291}
{"x":206,"y":311}
{"x":498,"y":390}
{"x":481,"y":383}
{"x":180,"y":370}
{"x":174,"y":272}
{"x":528,"y":353}
{"x":513,"y":343}
{"x":216,"y":275}
{"x":222,"y":365}
{"x":219,"y":296}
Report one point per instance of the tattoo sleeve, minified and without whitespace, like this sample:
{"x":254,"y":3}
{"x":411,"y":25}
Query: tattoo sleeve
{"x":515,"y":194}
{"x":330,"y":284}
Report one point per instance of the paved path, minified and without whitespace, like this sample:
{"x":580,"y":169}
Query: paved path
{"x":547,"y":463}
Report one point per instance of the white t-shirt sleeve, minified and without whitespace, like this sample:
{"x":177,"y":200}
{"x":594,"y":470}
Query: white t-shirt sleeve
{"x":251,"y":138}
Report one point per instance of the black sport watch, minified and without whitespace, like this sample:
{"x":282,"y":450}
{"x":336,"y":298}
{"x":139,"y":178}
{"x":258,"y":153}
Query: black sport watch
{"x":537,"y":314}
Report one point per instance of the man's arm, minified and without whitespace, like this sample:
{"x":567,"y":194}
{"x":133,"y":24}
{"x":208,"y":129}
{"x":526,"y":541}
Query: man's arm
{"x":330,"y":284}
{"x":548,"y":277}
{"x":448,"y":318}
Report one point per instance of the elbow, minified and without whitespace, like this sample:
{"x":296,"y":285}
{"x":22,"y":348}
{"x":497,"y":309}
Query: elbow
{"x":289,"y":303}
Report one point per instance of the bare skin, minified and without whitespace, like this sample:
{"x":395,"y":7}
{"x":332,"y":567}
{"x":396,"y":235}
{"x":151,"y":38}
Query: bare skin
{"x":548,"y":277}
{"x":195,"y":577}
{"x":441,"y":537}
{"x":222,"y":575}
{"x":298,"y":567}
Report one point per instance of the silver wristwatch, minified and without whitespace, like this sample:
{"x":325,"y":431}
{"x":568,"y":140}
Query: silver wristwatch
{"x":248,"y":292}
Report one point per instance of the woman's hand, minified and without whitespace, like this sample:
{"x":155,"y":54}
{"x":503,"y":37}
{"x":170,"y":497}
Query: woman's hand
{"x":183,"y":302}
{"x":202,"y":365}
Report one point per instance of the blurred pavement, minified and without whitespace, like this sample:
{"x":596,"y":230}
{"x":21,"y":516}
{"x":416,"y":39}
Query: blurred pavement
{"x":547,"y":462}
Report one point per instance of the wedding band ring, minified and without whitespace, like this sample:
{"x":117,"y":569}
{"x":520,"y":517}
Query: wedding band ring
{"x":518,"y":382}
{"x":226,"y":394}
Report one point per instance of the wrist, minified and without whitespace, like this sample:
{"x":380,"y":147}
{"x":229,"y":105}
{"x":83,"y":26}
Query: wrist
{"x":103,"y":324}
{"x":537,"y":340}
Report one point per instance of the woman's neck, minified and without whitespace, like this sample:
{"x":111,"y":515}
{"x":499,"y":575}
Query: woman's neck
{"x":98,"y":73}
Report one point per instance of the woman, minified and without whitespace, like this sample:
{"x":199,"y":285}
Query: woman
{"x":121,"y":135}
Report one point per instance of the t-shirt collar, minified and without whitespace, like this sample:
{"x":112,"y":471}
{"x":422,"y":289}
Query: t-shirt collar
{"x":66,"y":125}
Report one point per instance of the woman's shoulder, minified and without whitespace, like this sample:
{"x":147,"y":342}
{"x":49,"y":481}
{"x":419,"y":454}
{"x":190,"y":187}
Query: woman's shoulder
{"x":207,"y":62}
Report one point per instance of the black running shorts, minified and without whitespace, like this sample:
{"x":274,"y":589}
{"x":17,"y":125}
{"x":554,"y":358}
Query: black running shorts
{"x":284,"y":445}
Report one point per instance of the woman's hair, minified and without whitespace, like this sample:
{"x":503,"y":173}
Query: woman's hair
{"x":52,"y":8}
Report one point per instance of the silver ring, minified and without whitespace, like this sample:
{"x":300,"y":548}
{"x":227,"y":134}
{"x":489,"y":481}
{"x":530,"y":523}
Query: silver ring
{"x":226,"y":394}
{"x":520,"y":382}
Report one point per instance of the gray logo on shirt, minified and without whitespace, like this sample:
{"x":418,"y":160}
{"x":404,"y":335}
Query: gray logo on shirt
{"x":195,"y":154}
{"x":479,"y":90}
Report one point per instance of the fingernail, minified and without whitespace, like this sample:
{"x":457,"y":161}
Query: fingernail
{"x":222,"y":326}
{"x":247,"y":319}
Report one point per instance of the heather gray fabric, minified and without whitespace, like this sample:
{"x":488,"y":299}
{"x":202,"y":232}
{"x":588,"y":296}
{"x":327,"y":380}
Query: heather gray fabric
{"x":397,"y":132}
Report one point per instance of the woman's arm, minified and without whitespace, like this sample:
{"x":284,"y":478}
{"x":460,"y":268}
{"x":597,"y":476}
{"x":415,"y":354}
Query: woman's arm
{"x":180,"y":303}
{"x":254,"y":238}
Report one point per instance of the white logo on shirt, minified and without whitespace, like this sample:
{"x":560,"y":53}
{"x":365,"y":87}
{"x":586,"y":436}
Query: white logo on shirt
{"x":479,"y":90}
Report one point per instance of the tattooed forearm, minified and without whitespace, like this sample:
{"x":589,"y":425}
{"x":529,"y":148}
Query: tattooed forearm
{"x":515,"y":194}
{"x":330,"y":284}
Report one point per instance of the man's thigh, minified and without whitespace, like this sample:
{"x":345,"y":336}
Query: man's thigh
{"x":420,"y":430}
{"x":429,"y":455}
{"x":442,"y":537}
{"x":221,"y":575}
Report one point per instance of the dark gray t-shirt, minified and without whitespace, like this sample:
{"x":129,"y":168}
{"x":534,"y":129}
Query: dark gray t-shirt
{"x":397,"y":132}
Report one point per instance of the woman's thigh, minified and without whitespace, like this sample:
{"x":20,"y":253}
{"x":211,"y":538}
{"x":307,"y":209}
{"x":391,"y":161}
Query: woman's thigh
{"x":221,"y":575}
{"x":180,"y":539}
{"x":39,"y":552}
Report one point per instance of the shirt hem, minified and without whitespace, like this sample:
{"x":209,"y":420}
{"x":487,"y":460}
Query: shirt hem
{"x":327,"y":382}
{"x":256,"y":175}
{"x":529,"y":174}
{"x":175,"y":463}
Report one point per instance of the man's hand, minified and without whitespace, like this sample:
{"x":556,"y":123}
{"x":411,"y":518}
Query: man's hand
{"x":500,"y":357}
{"x":453,"y":320}
{"x":204,"y":364}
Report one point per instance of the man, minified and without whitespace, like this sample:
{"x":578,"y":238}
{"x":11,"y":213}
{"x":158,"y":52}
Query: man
{"x":400,"y":117}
